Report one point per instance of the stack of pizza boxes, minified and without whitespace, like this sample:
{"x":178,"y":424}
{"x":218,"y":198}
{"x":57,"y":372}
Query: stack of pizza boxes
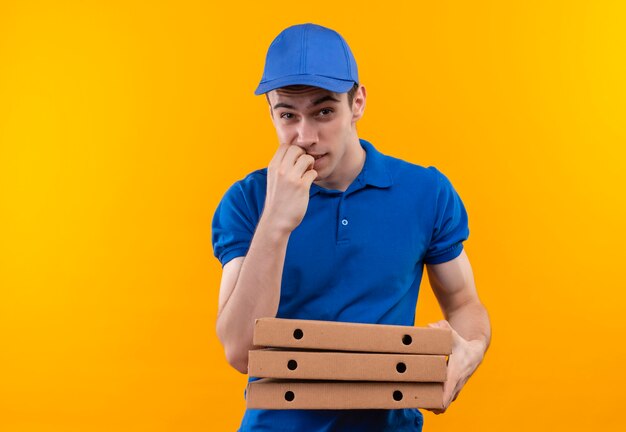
{"x":306,"y":364}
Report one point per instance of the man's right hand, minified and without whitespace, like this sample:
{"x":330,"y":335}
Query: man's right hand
{"x":258,"y":275}
{"x":289,"y":177}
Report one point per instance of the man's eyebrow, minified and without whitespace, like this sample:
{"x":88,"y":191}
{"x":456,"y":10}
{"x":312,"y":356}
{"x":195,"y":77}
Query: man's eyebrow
{"x":284,"y":105}
{"x":324,"y":99}
{"x":314,"y":103}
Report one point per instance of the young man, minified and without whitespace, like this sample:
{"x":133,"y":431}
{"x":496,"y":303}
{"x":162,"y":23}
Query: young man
{"x":334,"y":230}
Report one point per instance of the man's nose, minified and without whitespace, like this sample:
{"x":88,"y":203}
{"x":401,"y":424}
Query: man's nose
{"x":307,"y":134}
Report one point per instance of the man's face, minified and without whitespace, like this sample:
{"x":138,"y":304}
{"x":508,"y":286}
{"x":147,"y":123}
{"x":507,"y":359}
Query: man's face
{"x":319,"y":121}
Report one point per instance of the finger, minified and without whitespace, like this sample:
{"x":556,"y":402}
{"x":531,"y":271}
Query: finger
{"x":279,"y":154}
{"x":304,"y":163}
{"x":447,"y":390}
{"x":438,"y":324}
{"x":437,"y":410}
{"x":434,"y":411}
{"x":458,"y":389}
{"x":456,"y":396}
{"x":291,"y":156}
{"x":457,"y":339}
{"x":451,"y":383}
{"x":446,"y":325}
{"x":310,"y":177}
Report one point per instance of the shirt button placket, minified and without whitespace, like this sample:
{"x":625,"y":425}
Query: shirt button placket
{"x":343,"y":222}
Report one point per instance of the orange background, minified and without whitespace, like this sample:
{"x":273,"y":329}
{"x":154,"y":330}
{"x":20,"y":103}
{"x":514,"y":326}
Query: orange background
{"x":123,"y":123}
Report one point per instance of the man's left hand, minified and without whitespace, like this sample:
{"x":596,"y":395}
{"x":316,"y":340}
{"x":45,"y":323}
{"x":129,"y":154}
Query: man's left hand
{"x":465,"y":358}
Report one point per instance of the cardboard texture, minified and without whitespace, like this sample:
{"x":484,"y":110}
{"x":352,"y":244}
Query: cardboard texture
{"x":336,"y":365}
{"x":325,"y":365}
{"x":340,"y":336}
{"x":280,"y":394}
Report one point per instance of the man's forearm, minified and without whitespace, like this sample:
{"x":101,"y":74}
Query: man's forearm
{"x":471,"y":321}
{"x":256,"y":293}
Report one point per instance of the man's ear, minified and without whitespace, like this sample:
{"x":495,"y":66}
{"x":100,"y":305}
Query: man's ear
{"x":358,"y":103}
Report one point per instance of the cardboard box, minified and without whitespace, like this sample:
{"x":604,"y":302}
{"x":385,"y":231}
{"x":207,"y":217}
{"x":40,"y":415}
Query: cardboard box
{"x":268,"y":393}
{"x":340,"y":336}
{"x":328,"y":365}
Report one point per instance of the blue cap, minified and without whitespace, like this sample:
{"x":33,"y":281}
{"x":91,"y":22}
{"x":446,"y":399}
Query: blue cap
{"x":309,"y":54}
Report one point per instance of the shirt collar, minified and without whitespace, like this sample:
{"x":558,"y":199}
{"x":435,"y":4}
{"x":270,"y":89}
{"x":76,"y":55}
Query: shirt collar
{"x":374,"y":172}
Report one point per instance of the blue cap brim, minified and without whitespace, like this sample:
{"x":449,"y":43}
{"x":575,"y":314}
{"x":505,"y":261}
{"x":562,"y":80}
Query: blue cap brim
{"x":332,"y":84}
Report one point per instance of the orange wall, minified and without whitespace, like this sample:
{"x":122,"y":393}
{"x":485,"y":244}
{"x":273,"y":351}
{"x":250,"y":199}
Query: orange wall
{"x":123,"y":123}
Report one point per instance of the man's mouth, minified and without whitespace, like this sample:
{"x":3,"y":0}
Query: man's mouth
{"x":316,"y":157}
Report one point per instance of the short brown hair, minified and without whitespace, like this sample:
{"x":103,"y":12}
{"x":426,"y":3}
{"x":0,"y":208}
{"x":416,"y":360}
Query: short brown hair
{"x":351,"y":93}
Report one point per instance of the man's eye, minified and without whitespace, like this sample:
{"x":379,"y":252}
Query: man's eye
{"x":286,"y":116}
{"x":325,"y":111}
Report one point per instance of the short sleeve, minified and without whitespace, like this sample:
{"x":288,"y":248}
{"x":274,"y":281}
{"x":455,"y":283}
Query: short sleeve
{"x":450,"y":223}
{"x":233,"y":225}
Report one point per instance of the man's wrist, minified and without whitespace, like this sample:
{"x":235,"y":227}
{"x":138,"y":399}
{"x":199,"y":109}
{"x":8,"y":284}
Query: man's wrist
{"x":269,"y":230}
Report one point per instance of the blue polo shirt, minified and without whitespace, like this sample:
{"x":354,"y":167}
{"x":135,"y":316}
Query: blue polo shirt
{"x":357,"y":256}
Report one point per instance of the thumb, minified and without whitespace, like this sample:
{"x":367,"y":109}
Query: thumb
{"x":309,"y":177}
{"x":439,"y":324}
